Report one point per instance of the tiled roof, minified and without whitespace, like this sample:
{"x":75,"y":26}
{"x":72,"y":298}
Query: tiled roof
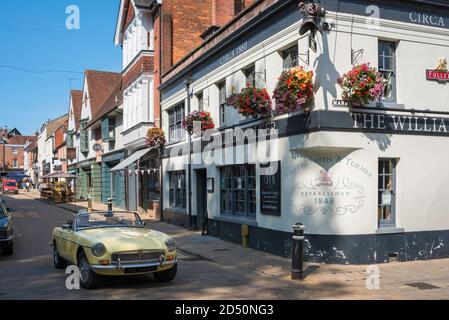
{"x":100,"y":85}
{"x":20,"y":140}
{"x":32,"y":146}
{"x":112,"y":103}
{"x":53,"y":125}
{"x":77,"y":100}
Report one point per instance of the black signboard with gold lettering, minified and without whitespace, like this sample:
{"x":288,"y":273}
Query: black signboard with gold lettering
{"x":270,"y":188}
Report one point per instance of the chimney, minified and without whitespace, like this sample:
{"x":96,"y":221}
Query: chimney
{"x":223,"y":11}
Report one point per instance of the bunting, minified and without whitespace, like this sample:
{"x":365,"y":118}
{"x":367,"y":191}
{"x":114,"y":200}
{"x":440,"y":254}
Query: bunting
{"x":141,"y":172}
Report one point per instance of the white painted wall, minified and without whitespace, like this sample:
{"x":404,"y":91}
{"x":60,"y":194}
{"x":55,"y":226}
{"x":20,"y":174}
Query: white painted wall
{"x":138,"y":111}
{"x":137,"y":37}
{"x":420,"y":184}
{"x":72,"y":124}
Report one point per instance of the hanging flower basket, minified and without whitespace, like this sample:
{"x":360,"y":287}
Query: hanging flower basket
{"x":361,"y":85}
{"x":251,"y":101}
{"x":294,"y":91}
{"x":198,"y":116}
{"x":155,"y":138}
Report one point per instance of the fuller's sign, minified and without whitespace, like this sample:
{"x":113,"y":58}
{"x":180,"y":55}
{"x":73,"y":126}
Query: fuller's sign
{"x":437,"y":75}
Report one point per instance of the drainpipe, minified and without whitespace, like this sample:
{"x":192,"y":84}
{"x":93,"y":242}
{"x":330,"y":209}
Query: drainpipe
{"x":189,"y":207}
{"x":161,"y":174}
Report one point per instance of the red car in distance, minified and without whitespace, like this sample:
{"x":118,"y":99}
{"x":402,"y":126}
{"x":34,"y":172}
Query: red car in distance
{"x":9,"y":186}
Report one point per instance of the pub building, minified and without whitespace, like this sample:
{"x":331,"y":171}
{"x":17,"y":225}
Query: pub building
{"x":368,"y":181}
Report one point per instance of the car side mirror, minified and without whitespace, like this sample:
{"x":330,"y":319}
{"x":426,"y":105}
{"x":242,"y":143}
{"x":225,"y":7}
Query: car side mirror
{"x":11,"y":210}
{"x":67,"y":226}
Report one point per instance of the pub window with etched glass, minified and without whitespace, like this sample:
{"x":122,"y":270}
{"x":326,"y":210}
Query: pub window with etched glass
{"x":387,"y":66}
{"x":238,"y":190}
{"x":177,"y":193}
{"x":175,"y":118}
{"x":290,"y":57}
{"x":387,"y":192}
{"x":222,"y":101}
{"x":200,"y":99}
{"x":250,"y":76}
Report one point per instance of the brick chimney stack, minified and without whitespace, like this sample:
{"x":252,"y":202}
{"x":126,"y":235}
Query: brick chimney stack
{"x":223,"y":11}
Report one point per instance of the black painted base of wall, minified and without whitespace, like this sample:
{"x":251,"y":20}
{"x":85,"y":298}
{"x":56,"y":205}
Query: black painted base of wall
{"x":179,"y":219}
{"x":335,"y":249}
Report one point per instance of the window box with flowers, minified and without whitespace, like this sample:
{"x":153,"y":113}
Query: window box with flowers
{"x":198,"y":116}
{"x":294,"y":91}
{"x":252,"y":102}
{"x":362,"y":85}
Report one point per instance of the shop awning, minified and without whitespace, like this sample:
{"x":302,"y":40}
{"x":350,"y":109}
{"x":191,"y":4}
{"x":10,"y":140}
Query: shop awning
{"x":131,"y":159}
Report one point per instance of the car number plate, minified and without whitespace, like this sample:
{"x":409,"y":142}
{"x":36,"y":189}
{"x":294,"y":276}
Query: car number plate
{"x":140,"y":270}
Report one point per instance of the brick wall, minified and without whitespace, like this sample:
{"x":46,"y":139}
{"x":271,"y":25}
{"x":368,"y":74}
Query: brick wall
{"x":59,"y":137}
{"x":190,"y":18}
{"x":223,"y":11}
{"x":7,"y":156}
{"x":257,"y":7}
{"x":142,"y":65}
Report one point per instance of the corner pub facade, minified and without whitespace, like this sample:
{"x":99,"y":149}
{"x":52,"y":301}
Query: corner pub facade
{"x":369,"y":183}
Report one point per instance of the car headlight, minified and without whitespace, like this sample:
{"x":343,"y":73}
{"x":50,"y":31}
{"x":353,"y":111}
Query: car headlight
{"x":98,"y":250}
{"x":171,"y":245}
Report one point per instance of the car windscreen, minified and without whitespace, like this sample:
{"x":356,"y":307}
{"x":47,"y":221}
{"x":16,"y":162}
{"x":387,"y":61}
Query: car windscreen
{"x":107,"y":220}
{"x":10,"y":184}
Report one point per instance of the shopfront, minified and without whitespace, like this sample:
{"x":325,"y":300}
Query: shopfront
{"x":139,"y":173}
{"x":367,"y":180}
{"x":89,"y":181}
{"x":113,"y":185}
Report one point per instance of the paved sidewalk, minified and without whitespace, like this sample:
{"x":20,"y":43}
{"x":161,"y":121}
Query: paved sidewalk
{"x":411,"y":280}
{"x":254,"y":274}
{"x":70,"y":206}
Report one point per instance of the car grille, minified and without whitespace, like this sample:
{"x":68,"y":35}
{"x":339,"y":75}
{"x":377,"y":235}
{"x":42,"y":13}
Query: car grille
{"x":136,"y":256}
{"x":3,"y":234}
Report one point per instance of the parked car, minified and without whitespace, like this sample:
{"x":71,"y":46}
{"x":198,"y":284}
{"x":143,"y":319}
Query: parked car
{"x":111,"y":244}
{"x":6,"y":229}
{"x":10,"y":186}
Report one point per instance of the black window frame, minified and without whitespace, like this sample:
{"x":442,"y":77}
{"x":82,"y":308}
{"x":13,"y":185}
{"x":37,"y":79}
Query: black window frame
{"x":290,"y":57}
{"x":200,"y":99}
{"x":178,"y":189}
{"x":250,"y":75}
{"x":388,"y":70}
{"x":222,"y":101}
{"x":238,"y":197}
{"x":176,"y":116}
{"x":84,"y":137}
{"x":383,"y":177}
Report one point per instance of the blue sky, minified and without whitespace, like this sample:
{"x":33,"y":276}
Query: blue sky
{"x":34,"y":37}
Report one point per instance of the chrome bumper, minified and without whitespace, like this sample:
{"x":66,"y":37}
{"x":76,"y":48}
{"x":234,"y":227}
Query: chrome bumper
{"x":7,"y":239}
{"x":123,"y":266}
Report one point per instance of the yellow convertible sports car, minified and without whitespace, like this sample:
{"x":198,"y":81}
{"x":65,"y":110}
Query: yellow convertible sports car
{"x":111,"y":244}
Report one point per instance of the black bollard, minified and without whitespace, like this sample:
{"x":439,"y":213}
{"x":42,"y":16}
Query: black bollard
{"x":109,"y":204}
{"x":298,"y":252}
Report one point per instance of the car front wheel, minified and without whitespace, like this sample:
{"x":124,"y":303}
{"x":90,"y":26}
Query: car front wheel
{"x":88,"y":278}
{"x":167,"y":275}
{"x":58,"y":261}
